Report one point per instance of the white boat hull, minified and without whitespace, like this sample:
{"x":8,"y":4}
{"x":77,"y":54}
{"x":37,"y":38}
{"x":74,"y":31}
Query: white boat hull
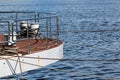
{"x":7,"y":69}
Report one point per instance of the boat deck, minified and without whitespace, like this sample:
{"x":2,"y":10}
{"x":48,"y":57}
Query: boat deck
{"x":35,"y":45}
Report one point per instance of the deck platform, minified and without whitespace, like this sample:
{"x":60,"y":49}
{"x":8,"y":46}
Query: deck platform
{"x":35,"y":45}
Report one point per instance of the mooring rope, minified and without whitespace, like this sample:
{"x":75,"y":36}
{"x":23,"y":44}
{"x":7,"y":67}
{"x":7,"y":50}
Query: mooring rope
{"x":10,"y":67}
{"x":67,"y":59}
{"x":57,"y":69}
{"x":79,"y":31}
{"x":70,"y":59}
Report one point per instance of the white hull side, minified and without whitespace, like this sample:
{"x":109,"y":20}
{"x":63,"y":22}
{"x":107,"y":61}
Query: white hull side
{"x":56,"y":52}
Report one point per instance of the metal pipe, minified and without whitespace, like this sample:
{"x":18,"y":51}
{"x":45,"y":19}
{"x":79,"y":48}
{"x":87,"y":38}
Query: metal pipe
{"x":50,"y":29}
{"x":8,"y":30}
{"x":17,"y":22}
{"x":57,"y":30}
{"x":46,"y":34}
{"x":12,"y":31}
{"x":25,"y":12}
{"x":17,"y":12}
{"x":38,"y":17}
{"x":28,"y":42}
{"x":39,"y":35}
{"x":35,"y":17}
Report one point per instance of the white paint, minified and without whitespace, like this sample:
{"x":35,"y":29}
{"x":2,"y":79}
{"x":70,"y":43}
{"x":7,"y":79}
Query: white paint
{"x":23,"y":24}
{"x":56,"y":52}
{"x":9,"y":38}
{"x":34,"y":26}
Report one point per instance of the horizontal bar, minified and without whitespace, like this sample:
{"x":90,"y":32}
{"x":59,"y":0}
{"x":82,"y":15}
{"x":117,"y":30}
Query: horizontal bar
{"x":33,"y":19}
{"x":15,"y":12}
{"x":25,"y":12}
{"x":4,"y":21}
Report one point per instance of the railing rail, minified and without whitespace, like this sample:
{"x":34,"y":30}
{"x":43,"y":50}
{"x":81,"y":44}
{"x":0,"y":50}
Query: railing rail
{"x":26,"y":12}
{"x":13,"y":25}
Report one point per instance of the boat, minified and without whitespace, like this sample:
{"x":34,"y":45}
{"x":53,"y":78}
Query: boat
{"x":28,"y":41}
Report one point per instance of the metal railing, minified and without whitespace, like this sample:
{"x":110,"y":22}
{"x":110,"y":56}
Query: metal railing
{"x":13,"y":24}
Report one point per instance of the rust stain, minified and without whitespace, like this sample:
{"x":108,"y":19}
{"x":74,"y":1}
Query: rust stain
{"x":36,"y":45}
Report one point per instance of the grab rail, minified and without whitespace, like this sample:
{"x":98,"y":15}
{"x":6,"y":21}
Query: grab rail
{"x":13,"y":24}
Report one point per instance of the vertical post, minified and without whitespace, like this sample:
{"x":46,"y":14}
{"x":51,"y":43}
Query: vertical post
{"x":39,"y":32}
{"x":16,"y":22}
{"x":35,"y":17}
{"x":8,"y":30}
{"x":38,"y":17}
{"x":28,"y":39}
{"x":50,"y":29}
{"x":57,"y":30}
{"x":46,"y":34}
{"x":12,"y":30}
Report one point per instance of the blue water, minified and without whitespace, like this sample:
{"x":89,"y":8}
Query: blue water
{"x":79,"y":15}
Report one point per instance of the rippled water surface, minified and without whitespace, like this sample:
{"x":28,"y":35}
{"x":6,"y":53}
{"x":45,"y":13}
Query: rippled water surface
{"x":79,"y":15}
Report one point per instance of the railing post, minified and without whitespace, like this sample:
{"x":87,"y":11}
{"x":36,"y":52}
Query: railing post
{"x":57,"y":30}
{"x":12,"y":30}
{"x":46,"y":34}
{"x":35,"y":17}
{"x":38,"y":16}
{"x":28,"y":42}
{"x":50,"y":29}
{"x":8,"y":30}
{"x":16,"y":22}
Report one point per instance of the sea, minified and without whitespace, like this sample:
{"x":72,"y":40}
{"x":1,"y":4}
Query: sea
{"x":90,"y":31}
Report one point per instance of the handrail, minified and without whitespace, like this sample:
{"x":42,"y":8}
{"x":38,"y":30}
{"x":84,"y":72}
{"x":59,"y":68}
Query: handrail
{"x":26,"y":12}
{"x":7,"y":26}
{"x":36,"y":17}
{"x":30,"y":19}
